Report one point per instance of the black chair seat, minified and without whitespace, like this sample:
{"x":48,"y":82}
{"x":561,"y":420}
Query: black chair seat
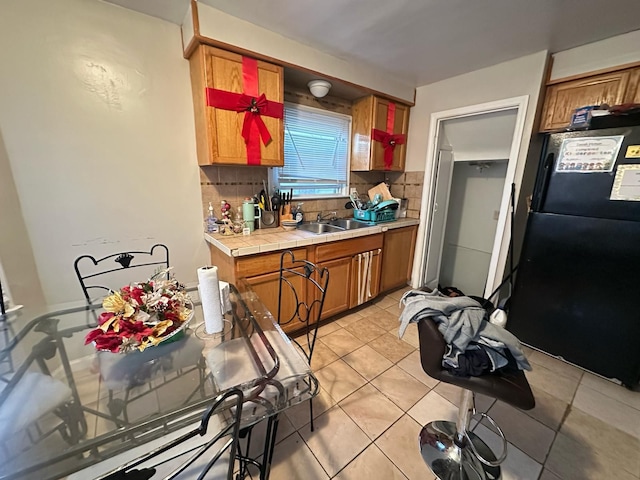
{"x":510,"y":387}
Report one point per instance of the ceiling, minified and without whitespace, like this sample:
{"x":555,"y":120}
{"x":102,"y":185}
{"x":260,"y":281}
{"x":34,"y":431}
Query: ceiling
{"x":423,"y":41}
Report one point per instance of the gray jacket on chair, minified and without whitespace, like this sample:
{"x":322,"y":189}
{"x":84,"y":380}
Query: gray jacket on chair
{"x":461,"y":320}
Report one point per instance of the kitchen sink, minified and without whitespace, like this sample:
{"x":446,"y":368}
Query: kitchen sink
{"x":348,"y":223}
{"x":318,"y":228}
{"x":337,"y":225}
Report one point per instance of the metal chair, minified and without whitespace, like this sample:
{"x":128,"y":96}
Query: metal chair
{"x":301,"y":293}
{"x":102,"y":274}
{"x":449,"y":449}
{"x":108,"y":274}
{"x":179,"y":458}
{"x":34,"y":404}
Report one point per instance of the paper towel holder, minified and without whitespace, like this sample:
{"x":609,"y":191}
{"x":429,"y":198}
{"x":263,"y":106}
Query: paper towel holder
{"x":202,"y":334}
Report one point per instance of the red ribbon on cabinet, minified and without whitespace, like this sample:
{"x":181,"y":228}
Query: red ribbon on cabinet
{"x":254,"y":106}
{"x":389,"y":139}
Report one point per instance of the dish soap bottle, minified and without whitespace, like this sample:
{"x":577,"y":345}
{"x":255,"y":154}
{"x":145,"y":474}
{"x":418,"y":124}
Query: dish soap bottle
{"x":211,"y":221}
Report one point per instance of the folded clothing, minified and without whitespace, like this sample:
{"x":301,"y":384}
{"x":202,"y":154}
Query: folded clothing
{"x":471,"y":363}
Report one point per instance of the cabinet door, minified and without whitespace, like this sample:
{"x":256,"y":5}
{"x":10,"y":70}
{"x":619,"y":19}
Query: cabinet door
{"x":374,"y":288}
{"x":633,"y":89}
{"x":397,"y":257}
{"x":563,"y":98}
{"x":337,"y":297}
{"x":400,"y":125}
{"x":369,"y":113}
{"x":218,"y":131}
{"x":266,"y":287}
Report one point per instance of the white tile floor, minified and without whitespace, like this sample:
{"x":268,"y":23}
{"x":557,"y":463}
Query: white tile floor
{"x":375,"y":398}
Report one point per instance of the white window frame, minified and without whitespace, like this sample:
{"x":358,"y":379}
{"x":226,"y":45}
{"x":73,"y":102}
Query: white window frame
{"x":273,"y":172}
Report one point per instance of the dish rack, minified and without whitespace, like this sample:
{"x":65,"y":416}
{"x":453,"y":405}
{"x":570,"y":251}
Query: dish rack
{"x":374,"y":216}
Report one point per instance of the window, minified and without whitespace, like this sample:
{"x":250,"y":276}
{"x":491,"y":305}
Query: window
{"x":317,"y":145}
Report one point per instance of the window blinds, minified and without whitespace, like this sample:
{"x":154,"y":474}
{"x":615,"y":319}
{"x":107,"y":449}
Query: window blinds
{"x":316,"y":152}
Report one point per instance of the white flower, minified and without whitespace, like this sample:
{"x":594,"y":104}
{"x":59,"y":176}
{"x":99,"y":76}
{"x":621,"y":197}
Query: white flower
{"x":142,"y":316}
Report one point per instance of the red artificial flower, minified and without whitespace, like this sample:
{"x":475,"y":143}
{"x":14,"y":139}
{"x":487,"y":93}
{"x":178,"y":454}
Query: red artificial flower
{"x":108,"y":341}
{"x":140,"y":315}
{"x":104,"y":316}
{"x":92,"y":335}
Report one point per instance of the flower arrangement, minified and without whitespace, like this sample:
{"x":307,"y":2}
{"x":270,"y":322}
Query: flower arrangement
{"x":140,"y":315}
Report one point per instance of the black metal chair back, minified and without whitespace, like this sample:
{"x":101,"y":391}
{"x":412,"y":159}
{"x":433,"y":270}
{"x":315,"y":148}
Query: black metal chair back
{"x":301,"y":294}
{"x":186,"y":460}
{"x":103,"y":274}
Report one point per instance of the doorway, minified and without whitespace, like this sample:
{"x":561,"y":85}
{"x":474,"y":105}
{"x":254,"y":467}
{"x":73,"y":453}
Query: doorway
{"x":468,"y":186}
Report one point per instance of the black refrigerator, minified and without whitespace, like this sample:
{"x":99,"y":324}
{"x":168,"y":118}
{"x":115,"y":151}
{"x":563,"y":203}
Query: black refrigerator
{"x":577,"y":289}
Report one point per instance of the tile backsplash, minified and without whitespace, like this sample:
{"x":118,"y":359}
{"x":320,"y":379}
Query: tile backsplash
{"x":233,"y":184}
{"x":408,"y":185}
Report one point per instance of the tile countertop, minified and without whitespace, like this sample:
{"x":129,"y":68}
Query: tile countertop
{"x":268,"y":240}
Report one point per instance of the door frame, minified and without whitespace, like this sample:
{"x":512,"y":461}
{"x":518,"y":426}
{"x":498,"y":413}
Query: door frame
{"x":501,"y":241}
{"x":436,"y":177}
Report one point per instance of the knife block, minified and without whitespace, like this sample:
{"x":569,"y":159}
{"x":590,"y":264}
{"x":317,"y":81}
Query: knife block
{"x":286,"y":213}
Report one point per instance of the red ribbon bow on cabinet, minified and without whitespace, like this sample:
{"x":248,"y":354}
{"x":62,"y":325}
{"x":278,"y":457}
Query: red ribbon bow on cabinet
{"x":254,"y":106}
{"x":389,"y":139}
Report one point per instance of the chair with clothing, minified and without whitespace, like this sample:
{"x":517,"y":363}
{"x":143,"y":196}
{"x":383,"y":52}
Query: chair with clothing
{"x":450,"y":449}
{"x":301,"y":293}
{"x":206,"y":451}
{"x":102,"y":275}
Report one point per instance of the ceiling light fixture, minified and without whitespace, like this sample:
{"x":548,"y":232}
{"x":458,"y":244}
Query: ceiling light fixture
{"x":319,"y":88}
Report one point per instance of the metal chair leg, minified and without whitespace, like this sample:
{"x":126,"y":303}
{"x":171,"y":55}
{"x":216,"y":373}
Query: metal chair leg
{"x":452,"y":452}
{"x":311,"y":412}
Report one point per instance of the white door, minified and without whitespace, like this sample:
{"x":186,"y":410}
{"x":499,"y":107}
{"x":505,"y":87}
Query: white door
{"x":444,"y":174}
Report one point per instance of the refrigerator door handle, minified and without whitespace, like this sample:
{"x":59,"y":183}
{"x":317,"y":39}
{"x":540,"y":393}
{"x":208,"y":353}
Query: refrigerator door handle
{"x":544,"y":183}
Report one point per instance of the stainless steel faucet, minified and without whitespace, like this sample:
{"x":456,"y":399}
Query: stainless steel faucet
{"x":322,"y":217}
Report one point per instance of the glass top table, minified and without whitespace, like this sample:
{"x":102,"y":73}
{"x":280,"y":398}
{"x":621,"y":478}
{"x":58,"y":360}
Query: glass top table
{"x":65,"y":406}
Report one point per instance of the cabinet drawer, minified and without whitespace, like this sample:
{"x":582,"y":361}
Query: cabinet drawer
{"x":262,"y":263}
{"x":347,"y":248}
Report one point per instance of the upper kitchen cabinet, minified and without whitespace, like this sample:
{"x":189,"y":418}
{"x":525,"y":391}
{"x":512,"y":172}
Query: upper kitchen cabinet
{"x":562,"y":98}
{"x":379,"y":134}
{"x":238,"y":108}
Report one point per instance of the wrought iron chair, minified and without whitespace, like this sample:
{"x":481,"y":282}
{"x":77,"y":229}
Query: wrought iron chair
{"x":301,"y":293}
{"x":34,"y":404}
{"x":184,"y":457}
{"x":111,"y":273}
{"x":102,"y":274}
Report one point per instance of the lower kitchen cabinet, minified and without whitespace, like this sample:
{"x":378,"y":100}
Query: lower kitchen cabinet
{"x":359,"y":278}
{"x":338,"y":257}
{"x":397,"y":257}
{"x":336,"y":299}
{"x":267,"y":288}
{"x":391,"y":262}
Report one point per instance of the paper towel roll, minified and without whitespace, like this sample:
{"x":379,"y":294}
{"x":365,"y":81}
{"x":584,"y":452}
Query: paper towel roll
{"x":209,"y":289}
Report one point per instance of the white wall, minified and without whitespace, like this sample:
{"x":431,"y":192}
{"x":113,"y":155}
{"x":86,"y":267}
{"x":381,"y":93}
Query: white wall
{"x":471,"y":224}
{"x":16,"y":255}
{"x":522,"y":76}
{"x":481,"y":137}
{"x":97,"y":118}
{"x":225,"y":28}
{"x":607,"y":53}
